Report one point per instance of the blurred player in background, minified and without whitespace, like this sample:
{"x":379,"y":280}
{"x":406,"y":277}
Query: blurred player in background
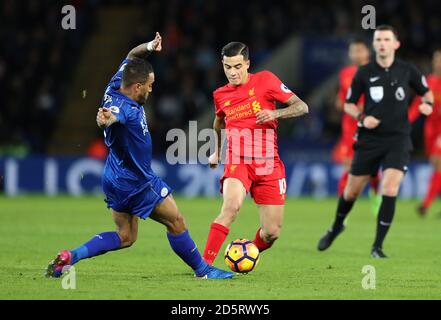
{"x":432,"y":132}
{"x":343,"y":152}
{"x":131,"y":187}
{"x":246,"y":108}
{"x":383,"y":137}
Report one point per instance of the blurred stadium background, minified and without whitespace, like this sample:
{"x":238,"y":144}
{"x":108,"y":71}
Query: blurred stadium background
{"x":52,"y":81}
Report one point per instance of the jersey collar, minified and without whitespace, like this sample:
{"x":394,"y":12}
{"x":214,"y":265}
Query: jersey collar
{"x":127,"y":99}
{"x":250,"y":76}
{"x":383,"y":68}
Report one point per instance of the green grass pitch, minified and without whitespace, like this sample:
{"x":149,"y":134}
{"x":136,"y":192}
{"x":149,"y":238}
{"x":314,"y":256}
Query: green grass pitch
{"x":34,"y":228}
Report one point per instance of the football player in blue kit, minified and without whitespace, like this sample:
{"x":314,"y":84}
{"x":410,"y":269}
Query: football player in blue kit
{"x":131,"y":187}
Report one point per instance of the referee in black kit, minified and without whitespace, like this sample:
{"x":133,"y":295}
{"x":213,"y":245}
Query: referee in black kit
{"x":383,"y":137}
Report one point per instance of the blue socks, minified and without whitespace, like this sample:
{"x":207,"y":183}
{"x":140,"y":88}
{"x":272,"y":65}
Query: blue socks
{"x":184,"y":246}
{"x":101,"y":243}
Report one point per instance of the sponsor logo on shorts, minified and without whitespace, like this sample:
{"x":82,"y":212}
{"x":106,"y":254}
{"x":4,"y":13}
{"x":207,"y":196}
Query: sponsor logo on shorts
{"x":164,"y":192}
{"x":285,"y":88}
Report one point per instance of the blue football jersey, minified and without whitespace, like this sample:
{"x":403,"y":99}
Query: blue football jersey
{"x":128,"y":165}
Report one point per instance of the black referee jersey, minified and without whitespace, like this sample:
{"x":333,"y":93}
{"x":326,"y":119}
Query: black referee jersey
{"x":387,"y":93}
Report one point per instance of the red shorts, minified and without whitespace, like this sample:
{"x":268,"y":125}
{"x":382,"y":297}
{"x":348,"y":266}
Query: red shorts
{"x":266,"y":182}
{"x":343,"y":150}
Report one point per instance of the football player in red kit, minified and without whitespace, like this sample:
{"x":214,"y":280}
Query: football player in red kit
{"x":343,"y":152}
{"x":246,"y":108}
{"x":432,"y":132}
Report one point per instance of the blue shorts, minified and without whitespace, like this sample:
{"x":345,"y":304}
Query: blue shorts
{"x":140,"y":201}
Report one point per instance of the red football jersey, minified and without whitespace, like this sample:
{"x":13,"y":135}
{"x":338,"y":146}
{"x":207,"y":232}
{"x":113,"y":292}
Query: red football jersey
{"x":238,"y":106}
{"x":348,"y":124}
{"x":432,"y":124}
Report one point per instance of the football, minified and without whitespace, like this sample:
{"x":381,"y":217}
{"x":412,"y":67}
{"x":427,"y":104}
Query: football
{"x":242,"y":255}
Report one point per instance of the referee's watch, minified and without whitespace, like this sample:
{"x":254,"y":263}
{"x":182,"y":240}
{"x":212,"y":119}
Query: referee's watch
{"x":360,"y":118}
{"x":430,"y":103}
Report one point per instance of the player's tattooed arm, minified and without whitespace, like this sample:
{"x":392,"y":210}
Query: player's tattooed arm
{"x":296,"y":108}
{"x":105,"y":118}
{"x":143,"y":50}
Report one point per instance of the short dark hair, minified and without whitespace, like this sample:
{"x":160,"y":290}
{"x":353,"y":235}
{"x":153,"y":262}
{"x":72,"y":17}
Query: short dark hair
{"x":387,"y":27}
{"x":235,"y":48}
{"x":359,"y":40}
{"x":136,"y":71}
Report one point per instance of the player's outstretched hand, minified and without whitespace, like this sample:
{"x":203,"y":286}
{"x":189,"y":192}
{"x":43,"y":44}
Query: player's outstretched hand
{"x":265,"y":116}
{"x":425,"y":109}
{"x":213,"y":160}
{"x":370,"y":122}
{"x":155,"y":44}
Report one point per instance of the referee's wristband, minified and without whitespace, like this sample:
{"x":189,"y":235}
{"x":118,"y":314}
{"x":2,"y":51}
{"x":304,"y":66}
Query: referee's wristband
{"x":361,"y":117}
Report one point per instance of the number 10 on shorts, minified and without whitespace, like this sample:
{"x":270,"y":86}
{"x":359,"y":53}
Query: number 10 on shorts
{"x":282,"y":185}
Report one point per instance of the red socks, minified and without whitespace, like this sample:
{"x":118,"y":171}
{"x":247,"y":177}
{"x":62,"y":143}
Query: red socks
{"x":260,"y":244}
{"x":216,"y":238}
{"x":433,"y":190}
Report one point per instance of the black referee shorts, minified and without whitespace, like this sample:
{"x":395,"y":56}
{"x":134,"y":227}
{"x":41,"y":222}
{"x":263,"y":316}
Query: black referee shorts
{"x":368,"y":158}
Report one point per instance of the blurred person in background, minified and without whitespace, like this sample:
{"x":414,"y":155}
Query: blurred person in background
{"x":432,"y":133}
{"x":343,"y":152}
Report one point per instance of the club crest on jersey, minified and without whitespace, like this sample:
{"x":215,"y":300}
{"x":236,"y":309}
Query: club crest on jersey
{"x":251,"y":92}
{"x":376,"y":93}
{"x":114,"y":109}
{"x":400,"y":94}
{"x":285,"y":88}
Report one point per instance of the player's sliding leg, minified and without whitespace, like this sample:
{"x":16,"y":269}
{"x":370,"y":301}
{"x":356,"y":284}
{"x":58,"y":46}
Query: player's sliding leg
{"x":125,"y":236}
{"x":434,"y":186}
{"x":271,"y":219}
{"x":389,"y":187}
{"x":233,"y":196}
{"x":353,"y":189}
{"x":167,"y":213}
